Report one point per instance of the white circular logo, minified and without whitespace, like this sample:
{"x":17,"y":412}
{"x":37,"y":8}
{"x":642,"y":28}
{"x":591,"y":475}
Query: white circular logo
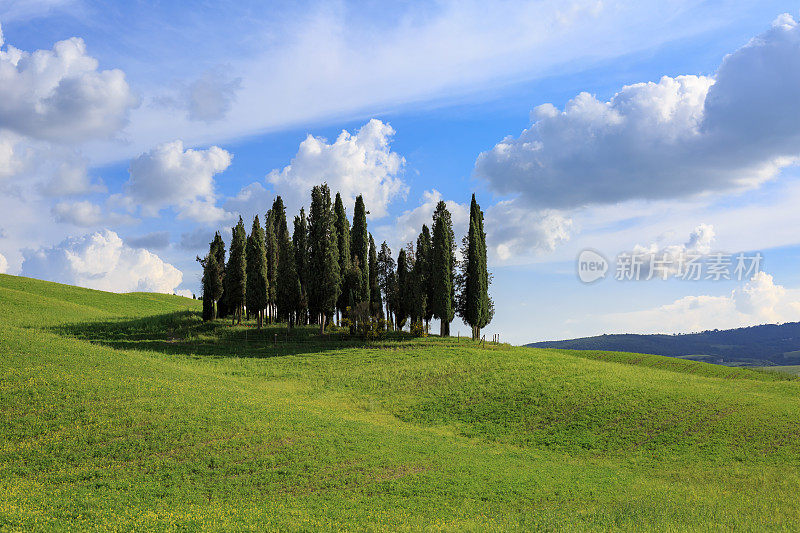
{"x":591,"y":266}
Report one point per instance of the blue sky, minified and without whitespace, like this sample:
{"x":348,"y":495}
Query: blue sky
{"x":134,"y":143}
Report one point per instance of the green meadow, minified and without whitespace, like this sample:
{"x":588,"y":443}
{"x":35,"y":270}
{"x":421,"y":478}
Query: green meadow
{"x":125,"y":411}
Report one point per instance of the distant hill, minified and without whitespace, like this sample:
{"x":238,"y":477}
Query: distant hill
{"x":769,"y":344}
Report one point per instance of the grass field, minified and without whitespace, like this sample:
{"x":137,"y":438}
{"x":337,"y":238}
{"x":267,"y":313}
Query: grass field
{"x":126,"y":412}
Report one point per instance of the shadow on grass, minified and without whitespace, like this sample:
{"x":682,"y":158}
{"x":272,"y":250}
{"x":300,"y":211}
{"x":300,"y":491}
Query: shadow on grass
{"x":184,"y":333}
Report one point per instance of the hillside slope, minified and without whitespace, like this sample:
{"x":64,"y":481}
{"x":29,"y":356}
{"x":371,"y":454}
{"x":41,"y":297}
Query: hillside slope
{"x":126,"y":411}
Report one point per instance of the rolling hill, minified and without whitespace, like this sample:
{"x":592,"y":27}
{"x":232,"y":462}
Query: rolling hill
{"x":125,"y":411}
{"x":764,"y":345}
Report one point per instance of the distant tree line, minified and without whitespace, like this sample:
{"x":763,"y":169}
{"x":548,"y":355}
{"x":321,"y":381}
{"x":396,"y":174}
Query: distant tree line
{"x":328,"y":271}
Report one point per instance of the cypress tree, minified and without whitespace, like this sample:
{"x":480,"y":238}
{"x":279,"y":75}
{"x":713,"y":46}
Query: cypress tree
{"x":475,"y":305}
{"x":442,"y":269}
{"x":324,"y":279}
{"x":300,"y":245}
{"x":272,"y":263}
{"x":236,"y":271}
{"x":351,"y":286}
{"x":418,"y":282}
{"x":375,"y":303}
{"x":359,"y":246}
{"x":257,"y":282}
{"x":212,"y":286}
{"x":386,"y":268}
{"x":217,"y":247}
{"x":288,"y":291}
{"x":343,"y":243}
{"x":401,"y":296}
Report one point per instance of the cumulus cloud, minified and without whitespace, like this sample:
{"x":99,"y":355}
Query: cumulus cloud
{"x":86,"y":214}
{"x":681,"y":136}
{"x":758,"y":301}
{"x":171,"y":176}
{"x":156,"y":240}
{"x":513,"y":230}
{"x":360,"y":163}
{"x":102,"y":261}
{"x":3,"y":264}
{"x":70,"y":178}
{"x":60,"y":95}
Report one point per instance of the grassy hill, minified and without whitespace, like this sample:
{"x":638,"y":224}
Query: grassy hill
{"x":125,"y":411}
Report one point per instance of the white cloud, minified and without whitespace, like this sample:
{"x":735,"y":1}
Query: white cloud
{"x":758,"y":301}
{"x":86,"y":214}
{"x":362,"y":163}
{"x":186,"y":293}
{"x":102,"y":261}
{"x":71,"y":178}
{"x":209,"y":98}
{"x":408,"y":224}
{"x":514,"y":231}
{"x":250,"y":201}
{"x":60,"y":95}
{"x":3,"y":264}
{"x":679,"y":137}
{"x":171,"y":176}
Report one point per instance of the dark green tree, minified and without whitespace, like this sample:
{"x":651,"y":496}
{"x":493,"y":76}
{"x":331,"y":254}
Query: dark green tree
{"x":351,"y":286}
{"x":474,"y":304}
{"x":300,"y":245}
{"x":236,"y":271}
{"x":418,"y":281}
{"x":272,"y":264}
{"x":375,"y":301}
{"x":402,"y":304}
{"x":442,"y":269}
{"x":386,"y":268}
{"x":359,"y":246}
{"x":288,"y":291}
{"x":343,"y":243}
{"x":257,"y":282}
{"x":217,"y":247}
{"x":324,"y":278}
{"x":212,"y":286}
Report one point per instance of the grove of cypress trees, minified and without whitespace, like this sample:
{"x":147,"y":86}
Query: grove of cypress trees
{"x":442,"y":269}
{"x":300,"y":245}
{"x":324,"y":282}
{"x":288,"y":291}
{"x":236,"y":271}
{"x":343,"y":243}
{"x":360,"y":245}
{"x":418,"y":281}
{"x":257,"y":283}
{"x":375,"y":302}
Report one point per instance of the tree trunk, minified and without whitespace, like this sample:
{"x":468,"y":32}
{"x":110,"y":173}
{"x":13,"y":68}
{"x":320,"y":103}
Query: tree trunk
{"x":322,"y":323}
